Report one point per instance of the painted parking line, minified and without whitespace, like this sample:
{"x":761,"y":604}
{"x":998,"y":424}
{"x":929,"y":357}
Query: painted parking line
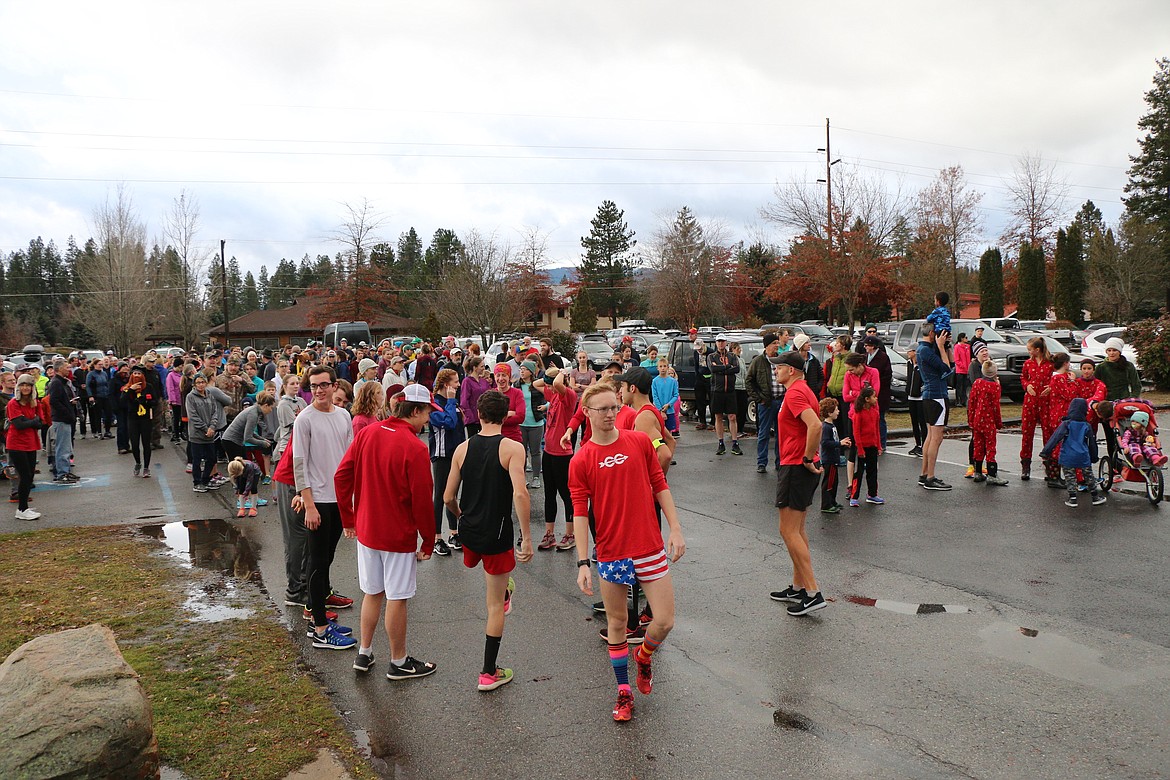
{"x":102,"y":480}
{"x":168,"y":495}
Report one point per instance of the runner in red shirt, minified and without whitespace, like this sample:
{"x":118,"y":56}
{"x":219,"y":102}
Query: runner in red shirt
{"x":799,"y":430}
{"x":618,"y":473}
{"x":613,"y":369}
{"x":516,"y":405}
{"x":562,"y":403}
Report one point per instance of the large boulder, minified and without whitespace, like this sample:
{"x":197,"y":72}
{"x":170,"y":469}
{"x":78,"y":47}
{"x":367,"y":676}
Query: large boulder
{"x":73,"y":708}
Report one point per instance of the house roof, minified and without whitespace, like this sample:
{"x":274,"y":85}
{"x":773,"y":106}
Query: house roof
{"x":295,"y":319}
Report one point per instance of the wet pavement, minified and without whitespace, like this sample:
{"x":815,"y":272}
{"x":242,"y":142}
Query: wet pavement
{"x":986,"y":632}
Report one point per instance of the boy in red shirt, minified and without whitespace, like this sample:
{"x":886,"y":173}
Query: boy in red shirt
{"x":385,"y":495}
{"x":619,"y":473}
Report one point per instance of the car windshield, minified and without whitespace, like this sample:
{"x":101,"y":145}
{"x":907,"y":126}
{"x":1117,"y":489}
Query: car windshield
{"x":595,"y":348}
{"x":817,"y":332}
{"x":969,"y":326}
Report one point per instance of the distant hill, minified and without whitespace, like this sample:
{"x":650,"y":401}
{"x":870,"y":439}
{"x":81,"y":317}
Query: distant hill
{"x":562,"y":275}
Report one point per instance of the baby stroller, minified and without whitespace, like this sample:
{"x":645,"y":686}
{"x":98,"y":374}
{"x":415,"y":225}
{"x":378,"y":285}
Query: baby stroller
{"x":1117,"y":466}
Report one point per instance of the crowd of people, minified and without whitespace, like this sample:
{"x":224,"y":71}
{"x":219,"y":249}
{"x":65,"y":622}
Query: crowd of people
{"x":337,"y":432}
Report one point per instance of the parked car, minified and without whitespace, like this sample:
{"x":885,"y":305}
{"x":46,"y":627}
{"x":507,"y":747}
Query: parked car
{"x":593,"y":337}
{"x":817,"y":334}
{"x":1022,"y":337}
{"x":1094,"y":344}
{"x":1008,"y":357}
{"x":1063,"y":335}
{"x":86,"y":355}
{"x":599,"y":352}
{"x":1002,"y":323}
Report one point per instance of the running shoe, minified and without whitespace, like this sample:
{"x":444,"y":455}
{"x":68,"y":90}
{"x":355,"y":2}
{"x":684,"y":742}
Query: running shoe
{"x":875,"y":500}
{"x":363,"y":662}
{"x":643,"y":674}
{"x":854,"y":502}
{"x":329,"y":614}
{"x":213,"y":485}
{"x":489,"y":682}
{"x":409,"y":669}
{"x":970,"y":472}
{"x":735,"y":450}
{"x":645,"y":618}
{"x":548,"y":542}
{"x":337,"y":601}
{"x":535,"y":482}
{"x":832,"y":510}
{"x":568,"y":542}
{"x":979,"y":478}
{"x":268,"y":481}
{"x":916,"y":452}
{"x":508,"y":596}
{"x":343,"y":630}
{"x":721,"y":450}
{"x":28,"y":514}
{"x":997,"y":481}
{"x":333,"y":639}
{"x":137,"y":469}
{"x":1071,"y":501}
{"x":241,"y":512}
{"x":791,"y":595}
{"x":188,"y":468}
{"x":262,"y":502}
{"x":441,"y":548}
{"x":633,"y":636}
{"x":599,"y":608}
{"x":454,"y":543}
{"x":1099,"y":499}
{"x":808,"y":604}
{"x":146,"y":473}
{"x":252,"y":512}
{"x":200,"y":488}
{"x":934,"y":483}
{"x":624,"y":709}
{"x":761,"y":469}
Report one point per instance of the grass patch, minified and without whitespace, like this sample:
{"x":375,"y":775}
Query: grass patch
{"x":230,"y":699}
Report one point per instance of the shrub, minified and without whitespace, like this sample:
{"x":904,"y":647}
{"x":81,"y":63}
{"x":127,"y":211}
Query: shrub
{"x":1151,"y":339}
{"x":562,"y":341}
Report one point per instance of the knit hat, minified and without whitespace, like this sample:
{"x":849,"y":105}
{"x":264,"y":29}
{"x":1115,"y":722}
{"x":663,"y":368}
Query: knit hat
{"x":770,"y":338}
{"x":1141,"y":418}
{"x":800,"y":341}
{"x":365,"y":365}
{"x":1115,"y":343}
{"x":531,"y":366}
{"x":989,"y":370}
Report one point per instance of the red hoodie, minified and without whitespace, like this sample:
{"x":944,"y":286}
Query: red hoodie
{"x":867,"y":427}
{"x":385,"y":489}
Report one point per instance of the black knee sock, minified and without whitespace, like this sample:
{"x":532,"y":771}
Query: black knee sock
{"x":978,"y":464}
{"x":491,"y":651}
{"x":992,"y":468}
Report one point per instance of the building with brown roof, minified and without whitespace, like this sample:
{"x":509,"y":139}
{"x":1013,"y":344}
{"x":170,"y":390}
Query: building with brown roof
{"x":274,"y":328}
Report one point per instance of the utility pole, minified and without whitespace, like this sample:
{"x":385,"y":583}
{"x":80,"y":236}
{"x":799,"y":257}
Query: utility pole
{"x":828,"y":182}
{"x":227,"y":327}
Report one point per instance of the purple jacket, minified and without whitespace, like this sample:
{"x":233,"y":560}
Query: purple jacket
{"x":469,"y":393}
{"x":174,"y":390}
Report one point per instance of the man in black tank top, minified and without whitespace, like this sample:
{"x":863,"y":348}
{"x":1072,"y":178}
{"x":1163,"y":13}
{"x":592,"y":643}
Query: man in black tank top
{"x":494,"y":466}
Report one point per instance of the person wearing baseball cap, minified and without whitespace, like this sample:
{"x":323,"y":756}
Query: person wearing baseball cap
{"x":798,"y":430}
{"x":724,"y":366}
{"x":391,"y":517}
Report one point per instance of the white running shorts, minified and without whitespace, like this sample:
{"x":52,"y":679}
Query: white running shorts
{"x":392,"y":573}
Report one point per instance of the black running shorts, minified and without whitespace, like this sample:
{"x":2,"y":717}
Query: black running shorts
{"x":795,"y":487}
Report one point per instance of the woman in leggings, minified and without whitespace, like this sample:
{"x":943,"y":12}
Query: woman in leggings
{"x":26,"y":418}
{"x":532,"y":426}
{"x":140,"y":404}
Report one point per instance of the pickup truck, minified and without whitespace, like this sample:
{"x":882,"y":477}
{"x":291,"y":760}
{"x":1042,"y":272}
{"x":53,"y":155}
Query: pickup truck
{"x":1008,"y":358}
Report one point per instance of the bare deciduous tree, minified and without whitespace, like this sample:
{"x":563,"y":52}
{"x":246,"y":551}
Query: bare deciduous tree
{"x":1039,"y":196}
{"x":473,"y":295}
{"x":358,"y":232}
{"x":880,"y":205}
{"x":948,"y":211}
{"x":117,"y":299}
{"x":181,"y":226}
{"x":694,"y":272}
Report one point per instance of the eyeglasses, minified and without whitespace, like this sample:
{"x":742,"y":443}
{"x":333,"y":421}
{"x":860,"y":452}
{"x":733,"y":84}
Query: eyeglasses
{"x":320,"y":385}
{"x":871,"y":331}
{"x":605,"y":410}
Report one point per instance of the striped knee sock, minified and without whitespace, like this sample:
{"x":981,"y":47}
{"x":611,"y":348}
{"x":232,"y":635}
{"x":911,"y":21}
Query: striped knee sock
{"x":649,"y":645}
{"x":619,"y":657}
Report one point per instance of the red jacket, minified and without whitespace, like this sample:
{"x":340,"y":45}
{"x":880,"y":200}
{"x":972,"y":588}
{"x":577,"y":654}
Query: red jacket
{"x":25,"y":439}
{"x":867,"y":430}
{"x":385,"y":489}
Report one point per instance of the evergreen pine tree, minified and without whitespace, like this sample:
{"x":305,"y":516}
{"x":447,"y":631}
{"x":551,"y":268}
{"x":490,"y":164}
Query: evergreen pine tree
{"x":991,"y":283}
{"x":262,"y":287}
{"x":1068,"y":293}
{"x":1033,"y":284}
{"x":250,"y":298}
{"x":609,"y":263}
{"x":1148,"y":188}
{"x":582,"y":312}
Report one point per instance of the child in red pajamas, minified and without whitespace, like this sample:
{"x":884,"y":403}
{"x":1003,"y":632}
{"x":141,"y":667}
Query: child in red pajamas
{"x":984,"y":417}
{"x":1064,"y":389}
{"x":1036,"y":377}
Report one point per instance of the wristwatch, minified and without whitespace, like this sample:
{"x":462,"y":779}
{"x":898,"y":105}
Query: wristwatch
{"x":809,"y":460}
{"x":582,"y":562}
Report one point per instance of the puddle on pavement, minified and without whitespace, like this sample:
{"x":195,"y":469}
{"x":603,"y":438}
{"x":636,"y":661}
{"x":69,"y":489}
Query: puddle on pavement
{"x":218,"y":547}
{"x":1061,"y":657}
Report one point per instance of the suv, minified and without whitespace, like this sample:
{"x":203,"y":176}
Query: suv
{"x":682,"y":358}
{"x":1008,"y":358}
{"x":817,"y":334}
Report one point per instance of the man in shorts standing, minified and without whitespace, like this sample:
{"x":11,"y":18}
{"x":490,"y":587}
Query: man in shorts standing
{"x":385,"y":495}
{"x":618,"y":472}
{"x":724,"y":366}
{"x":494,"y":465}
{"x":797,"y":477}
{"x":934,"y":367}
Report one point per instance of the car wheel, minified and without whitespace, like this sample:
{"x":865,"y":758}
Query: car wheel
{"x":752,"y":416}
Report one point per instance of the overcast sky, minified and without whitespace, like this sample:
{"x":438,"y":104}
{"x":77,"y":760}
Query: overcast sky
{"x":500,"y":115}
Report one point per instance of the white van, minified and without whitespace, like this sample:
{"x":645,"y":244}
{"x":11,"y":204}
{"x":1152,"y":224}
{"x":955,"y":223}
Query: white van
{"x":353,"y":332}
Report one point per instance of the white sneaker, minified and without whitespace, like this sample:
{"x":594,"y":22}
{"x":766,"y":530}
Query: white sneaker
{"x":28,"y":514}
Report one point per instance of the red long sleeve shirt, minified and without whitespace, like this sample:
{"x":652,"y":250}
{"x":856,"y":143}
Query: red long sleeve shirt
{"x":384,"y":488}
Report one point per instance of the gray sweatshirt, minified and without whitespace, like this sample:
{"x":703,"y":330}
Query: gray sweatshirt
{"x":206,"y":411}
{"x":320,"y":440}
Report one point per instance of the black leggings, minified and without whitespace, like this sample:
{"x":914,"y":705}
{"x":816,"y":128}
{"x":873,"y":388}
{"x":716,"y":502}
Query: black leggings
{"x":25,"y":463}
{"x":440,"y":470}
{"x":702,"y":393}
{"x":139,"y":431}
{"x":322,"y":546}
{"x":917,"y":422}
{"x":867,"y":465}
{"x":556,"y":482}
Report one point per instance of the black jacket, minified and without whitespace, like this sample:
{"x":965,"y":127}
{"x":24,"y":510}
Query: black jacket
{"x":881,"y":364}
{"x":723,"y":366}
{"x":62,"y":400}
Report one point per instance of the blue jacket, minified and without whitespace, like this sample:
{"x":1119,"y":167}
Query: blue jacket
{"x":97,"y":384}
{"x":446,"y":429}
{"x":933,"y":370}
{"x":1078,"y":445}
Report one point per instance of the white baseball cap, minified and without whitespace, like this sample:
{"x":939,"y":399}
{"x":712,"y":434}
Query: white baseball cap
{"x":420,"y":395}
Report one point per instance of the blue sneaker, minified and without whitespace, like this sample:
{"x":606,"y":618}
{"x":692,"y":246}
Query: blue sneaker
{"x":262,"y":502}
{"x":854,"y":502}
{"x":333,"y":639}
{"x":875,"y":500}
{"x":343,"y":630}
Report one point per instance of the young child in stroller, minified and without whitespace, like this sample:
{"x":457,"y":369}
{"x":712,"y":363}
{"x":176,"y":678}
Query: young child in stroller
{"x":1140,"y":440}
